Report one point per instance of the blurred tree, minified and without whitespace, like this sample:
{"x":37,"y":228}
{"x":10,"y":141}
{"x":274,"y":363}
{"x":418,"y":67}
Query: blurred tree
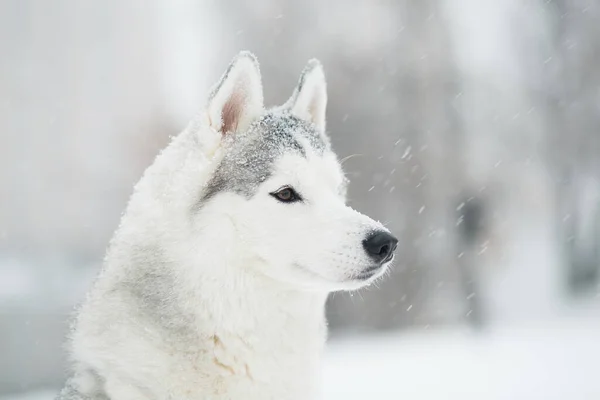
{"x":571,"y":90}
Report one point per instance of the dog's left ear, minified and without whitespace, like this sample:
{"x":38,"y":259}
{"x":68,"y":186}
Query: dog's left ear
{"x":309,"y":100}
{"x":237,"y":100}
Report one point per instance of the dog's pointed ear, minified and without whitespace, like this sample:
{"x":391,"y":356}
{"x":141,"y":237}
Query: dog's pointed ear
{"x":237,"y":100}
{"x":309,"y":100}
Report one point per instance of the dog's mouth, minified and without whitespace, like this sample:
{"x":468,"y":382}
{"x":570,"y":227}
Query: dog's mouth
{"x":365,"y":276}
{"x":374,"y":270}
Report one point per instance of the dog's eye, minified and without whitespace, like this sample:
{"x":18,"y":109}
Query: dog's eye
{"x":286,"y":195}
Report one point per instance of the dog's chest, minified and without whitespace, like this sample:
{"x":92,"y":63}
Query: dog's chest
{"x":231,"y":367}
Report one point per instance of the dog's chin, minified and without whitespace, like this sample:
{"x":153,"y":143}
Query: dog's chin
{"x":306,"y":279}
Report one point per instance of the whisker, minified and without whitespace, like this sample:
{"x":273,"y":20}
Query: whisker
{"x":343,"y":160}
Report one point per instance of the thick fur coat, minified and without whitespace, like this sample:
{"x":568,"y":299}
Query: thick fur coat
{"x":215,"y":282}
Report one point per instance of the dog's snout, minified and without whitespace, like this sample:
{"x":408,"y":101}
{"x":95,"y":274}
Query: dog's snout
{"x":380,"y":246}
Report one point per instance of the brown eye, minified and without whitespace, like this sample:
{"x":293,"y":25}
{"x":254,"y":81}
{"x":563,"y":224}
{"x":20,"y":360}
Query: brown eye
{"x":286,"y":195}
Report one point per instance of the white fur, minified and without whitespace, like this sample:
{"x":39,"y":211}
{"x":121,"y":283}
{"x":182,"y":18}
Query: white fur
{"x":310,"y":102}
{"x":240,"y":88}
{"x":242,"y":282}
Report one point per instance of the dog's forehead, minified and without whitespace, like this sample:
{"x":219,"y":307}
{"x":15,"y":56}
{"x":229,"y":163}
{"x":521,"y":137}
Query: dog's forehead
{"x":282,"y":131}
{"x":250,"y":156}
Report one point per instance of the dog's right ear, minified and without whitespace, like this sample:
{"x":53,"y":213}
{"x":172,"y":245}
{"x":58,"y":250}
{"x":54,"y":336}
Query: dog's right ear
{"x":309,"y":100}
{"x":237,"y":100}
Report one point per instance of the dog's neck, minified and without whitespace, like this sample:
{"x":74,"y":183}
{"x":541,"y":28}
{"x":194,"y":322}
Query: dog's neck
{"x":254,"y":302}
{"x":238,"y":300}
{"x":263,"y":330}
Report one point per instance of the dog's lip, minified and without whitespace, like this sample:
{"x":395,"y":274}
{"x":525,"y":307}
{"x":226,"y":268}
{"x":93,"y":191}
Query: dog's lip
{"x":369,"y":272}
{"x":372,"y":270}
{"x":365,"y":275}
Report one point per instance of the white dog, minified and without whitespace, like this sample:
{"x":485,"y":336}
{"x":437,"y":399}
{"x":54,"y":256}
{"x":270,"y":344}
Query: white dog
{"x":215,"y":282}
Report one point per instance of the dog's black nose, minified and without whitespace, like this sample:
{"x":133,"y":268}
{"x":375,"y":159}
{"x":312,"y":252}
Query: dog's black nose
{"x":380,"y":246}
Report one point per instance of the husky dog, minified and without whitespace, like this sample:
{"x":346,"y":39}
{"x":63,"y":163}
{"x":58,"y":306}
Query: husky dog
{"x":215,"y":282}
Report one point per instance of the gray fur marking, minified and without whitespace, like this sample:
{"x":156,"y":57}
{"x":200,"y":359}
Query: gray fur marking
{"x":69,"y":392}
{"x":154,"y":289}
{"x":249,"y":160}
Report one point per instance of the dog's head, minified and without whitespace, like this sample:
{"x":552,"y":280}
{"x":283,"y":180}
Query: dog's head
{"x":281,"y":190}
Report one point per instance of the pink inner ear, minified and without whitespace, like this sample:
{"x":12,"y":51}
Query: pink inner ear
{"x":232,"y":111}
{"x":313,"y":109}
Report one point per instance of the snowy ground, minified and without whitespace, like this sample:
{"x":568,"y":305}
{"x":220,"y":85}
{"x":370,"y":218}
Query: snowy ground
{"x":544,"y":363}
{"x":553,"y":361}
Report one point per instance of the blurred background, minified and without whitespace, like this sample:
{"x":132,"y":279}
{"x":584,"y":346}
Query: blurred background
{"x":474,"y":130}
